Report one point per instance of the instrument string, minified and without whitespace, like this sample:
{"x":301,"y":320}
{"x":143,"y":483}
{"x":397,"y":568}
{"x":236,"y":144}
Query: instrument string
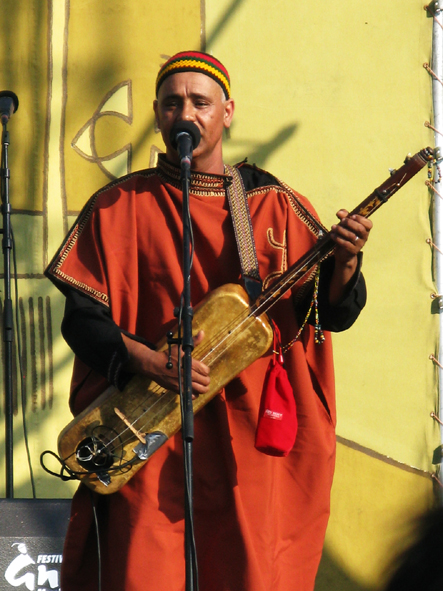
{"x":212,"y":350}
{"x":210,"y":353}
{"x":215,"y":347}
{"x":218,"y":344}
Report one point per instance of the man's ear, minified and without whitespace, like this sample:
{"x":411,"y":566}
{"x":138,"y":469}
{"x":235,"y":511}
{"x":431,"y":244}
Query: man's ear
{"x":229,"y":106}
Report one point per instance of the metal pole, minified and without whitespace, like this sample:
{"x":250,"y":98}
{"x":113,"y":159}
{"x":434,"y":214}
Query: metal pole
{"x":7,"y":315}
{"x":437,"y":98}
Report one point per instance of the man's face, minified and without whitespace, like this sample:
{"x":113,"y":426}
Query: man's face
{"x":195,"y":97}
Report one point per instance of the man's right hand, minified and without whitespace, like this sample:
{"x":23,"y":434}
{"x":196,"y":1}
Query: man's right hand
{"x":153,"y":364}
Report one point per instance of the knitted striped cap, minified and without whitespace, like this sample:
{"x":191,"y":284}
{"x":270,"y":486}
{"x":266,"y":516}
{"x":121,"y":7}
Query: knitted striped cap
{"x":195,"y":61}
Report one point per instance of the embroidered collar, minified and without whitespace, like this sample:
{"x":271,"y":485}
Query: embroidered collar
{"x":201,"y":183}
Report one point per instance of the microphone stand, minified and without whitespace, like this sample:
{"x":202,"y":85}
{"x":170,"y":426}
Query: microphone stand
{"x":186,"y":399}
{"x":7,"y":310}
{"x":185,"y":136}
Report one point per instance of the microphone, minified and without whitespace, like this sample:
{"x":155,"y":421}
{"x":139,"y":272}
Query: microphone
{"x":185,"y":137}
{"x":8,"y":105}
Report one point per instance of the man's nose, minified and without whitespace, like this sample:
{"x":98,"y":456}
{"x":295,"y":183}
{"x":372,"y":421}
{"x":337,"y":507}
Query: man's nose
{"x":188,"y":111}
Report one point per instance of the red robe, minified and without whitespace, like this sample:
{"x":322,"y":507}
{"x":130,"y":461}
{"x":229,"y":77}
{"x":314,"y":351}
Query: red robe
{"x":259,"y":520}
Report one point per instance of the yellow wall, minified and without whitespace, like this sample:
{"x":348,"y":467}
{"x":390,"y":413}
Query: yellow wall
{"x":374,"y":504}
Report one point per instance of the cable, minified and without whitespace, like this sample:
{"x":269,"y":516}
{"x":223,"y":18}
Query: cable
{"x":20,"y":362}
{"x":97,"y":532}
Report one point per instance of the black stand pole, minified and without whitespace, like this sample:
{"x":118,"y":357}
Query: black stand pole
{"x":185,"y":137}
{"x":187,"y":408}
{"x":7,"y":312}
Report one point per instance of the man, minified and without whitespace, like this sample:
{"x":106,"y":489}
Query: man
{"x":259,"y":520}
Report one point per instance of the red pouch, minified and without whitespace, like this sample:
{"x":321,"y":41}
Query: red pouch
{"x":277,"y":419}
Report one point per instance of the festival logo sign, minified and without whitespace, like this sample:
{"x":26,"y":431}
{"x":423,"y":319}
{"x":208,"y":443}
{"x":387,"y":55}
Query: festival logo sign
{"x":31,"y":564}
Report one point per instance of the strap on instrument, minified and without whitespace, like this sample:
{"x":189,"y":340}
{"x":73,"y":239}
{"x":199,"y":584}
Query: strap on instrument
{"x":241,"y":219}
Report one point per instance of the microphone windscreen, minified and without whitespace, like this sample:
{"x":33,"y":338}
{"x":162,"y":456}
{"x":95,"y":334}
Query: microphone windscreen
{"x":185,"y":127}
{"x":11,"y":95}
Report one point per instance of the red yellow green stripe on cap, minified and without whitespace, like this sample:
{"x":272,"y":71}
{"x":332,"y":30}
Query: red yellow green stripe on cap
{"x":195,"y":61}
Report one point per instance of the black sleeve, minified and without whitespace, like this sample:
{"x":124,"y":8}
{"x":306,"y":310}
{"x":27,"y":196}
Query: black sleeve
{"x":342,"y":315}
{"x":90,"y":331}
